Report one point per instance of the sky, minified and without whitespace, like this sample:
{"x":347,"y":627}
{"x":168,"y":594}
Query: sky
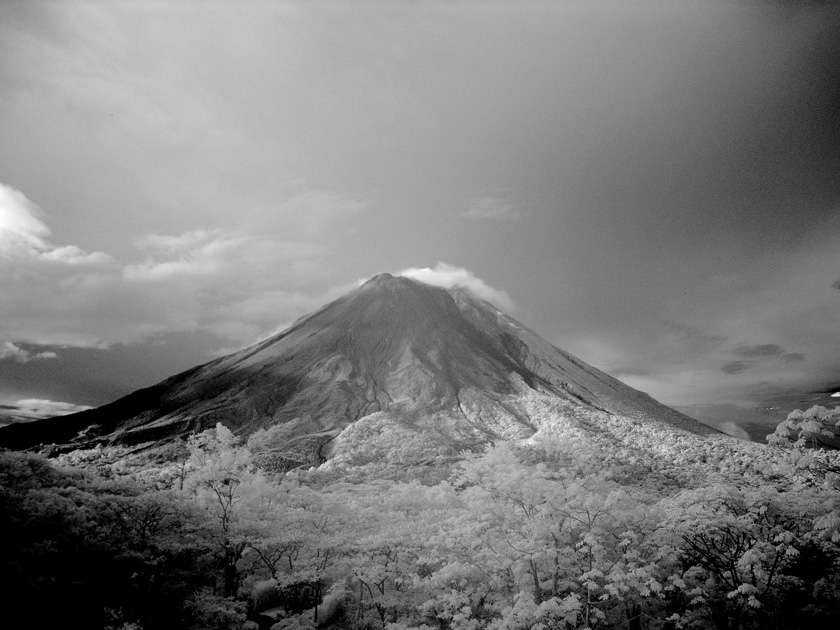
{"x":653,"y":186}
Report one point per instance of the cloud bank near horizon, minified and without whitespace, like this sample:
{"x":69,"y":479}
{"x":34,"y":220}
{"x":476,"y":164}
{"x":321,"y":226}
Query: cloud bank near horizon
{"x":42,"y":408}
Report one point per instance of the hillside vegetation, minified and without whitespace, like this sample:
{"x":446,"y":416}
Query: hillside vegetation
{"x":594,"y":521}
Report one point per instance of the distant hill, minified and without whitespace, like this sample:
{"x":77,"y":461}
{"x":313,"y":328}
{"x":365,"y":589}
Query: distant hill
{"x":432,"y":356}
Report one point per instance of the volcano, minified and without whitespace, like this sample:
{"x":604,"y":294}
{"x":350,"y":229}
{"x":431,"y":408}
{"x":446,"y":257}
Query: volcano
{"x":395,"y":346}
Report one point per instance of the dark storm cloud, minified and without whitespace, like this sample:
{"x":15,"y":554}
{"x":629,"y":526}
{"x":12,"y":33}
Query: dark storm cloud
{"x":763,"y":350}
{"x":753,"y":355}
{"x":693,"y":334}
{"x":767,"y":351}
{"x":836,"y":284}
{"x":736,"y":367}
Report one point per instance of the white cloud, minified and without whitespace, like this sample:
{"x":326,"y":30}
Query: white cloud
{"x":488,"y":207}
{"x":72,"y":255}
{"x":188,"y":255}
{"x":175,"y":243}
{"x":237,"y":283}
{"x":48,"y":290}
{"x":9,"y":350}
{"x":444,"y":275}
{"x":41,"y":408}
{"x":24,"y":235}
{"x":20,"y":226}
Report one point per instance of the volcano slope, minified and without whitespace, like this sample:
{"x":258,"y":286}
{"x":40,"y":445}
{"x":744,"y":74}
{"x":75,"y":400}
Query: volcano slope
{"x":440,"y":361}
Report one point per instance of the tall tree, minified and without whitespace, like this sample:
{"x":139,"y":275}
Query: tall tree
{"x":240,"y":501}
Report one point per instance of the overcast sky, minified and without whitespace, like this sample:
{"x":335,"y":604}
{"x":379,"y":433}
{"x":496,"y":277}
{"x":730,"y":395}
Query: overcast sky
{"x":652,"y":186}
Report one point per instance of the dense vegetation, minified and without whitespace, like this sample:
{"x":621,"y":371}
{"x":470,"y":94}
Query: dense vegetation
{"x":595,"y":521}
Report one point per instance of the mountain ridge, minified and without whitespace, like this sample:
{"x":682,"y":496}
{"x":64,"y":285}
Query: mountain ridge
{"x":393,"y":345}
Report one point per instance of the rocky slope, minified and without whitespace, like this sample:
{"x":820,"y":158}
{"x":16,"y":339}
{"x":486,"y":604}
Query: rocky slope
{"x":393,"y":345}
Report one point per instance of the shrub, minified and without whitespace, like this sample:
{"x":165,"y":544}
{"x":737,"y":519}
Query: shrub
{"x":332,"y":606}
{"x":265,"y":595}
{"x":212,"y":612}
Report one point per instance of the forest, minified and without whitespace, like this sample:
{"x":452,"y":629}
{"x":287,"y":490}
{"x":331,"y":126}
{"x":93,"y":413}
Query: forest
{"x":595,"y":521}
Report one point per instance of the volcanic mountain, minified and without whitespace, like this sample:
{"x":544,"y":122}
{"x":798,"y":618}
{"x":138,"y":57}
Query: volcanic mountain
{"x":442,"y":359}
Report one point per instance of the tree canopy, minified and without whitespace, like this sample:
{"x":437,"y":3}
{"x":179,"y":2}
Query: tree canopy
{"x":594,"y":522}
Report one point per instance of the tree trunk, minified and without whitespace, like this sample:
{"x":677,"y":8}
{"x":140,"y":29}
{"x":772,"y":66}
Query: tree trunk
{"x":634,"y":616}
{"x":538,"y":598}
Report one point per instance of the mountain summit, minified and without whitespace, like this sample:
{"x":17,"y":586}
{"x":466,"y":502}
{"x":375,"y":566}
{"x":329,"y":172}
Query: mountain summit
{"x":393,"y":345}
